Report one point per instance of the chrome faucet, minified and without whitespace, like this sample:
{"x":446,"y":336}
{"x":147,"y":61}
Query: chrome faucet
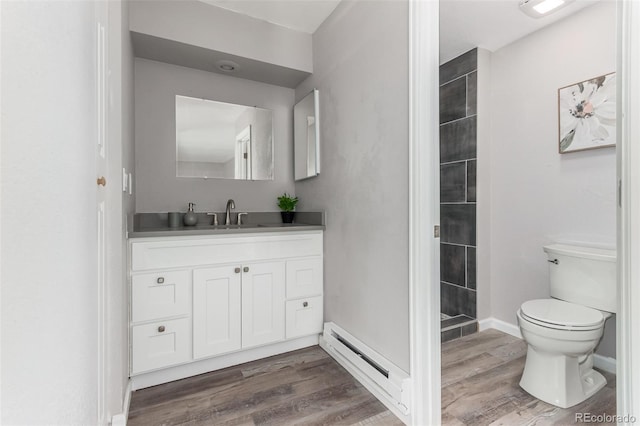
{"x":230,"y":205}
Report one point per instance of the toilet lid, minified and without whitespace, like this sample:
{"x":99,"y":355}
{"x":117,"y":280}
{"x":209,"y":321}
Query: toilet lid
{"x":560,"y":313}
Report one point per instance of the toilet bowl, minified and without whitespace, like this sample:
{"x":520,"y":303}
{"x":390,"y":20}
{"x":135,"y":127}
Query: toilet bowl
{"x":561,"y":337}
{"x":562,"y":332}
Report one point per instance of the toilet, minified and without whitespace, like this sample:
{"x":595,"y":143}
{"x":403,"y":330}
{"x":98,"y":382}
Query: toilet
{"x":562,"y":332}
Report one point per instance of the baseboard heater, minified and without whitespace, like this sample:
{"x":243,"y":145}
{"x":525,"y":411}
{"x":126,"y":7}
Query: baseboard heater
{"x":388,"y":383}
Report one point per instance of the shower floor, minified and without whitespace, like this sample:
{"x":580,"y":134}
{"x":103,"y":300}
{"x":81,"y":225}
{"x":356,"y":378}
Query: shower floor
{"x":452,"y":327}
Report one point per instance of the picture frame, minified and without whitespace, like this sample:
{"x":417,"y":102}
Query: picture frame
{"x":587,"y":114}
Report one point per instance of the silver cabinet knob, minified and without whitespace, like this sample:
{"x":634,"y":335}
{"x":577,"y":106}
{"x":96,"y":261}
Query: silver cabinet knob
{"x":246,"y":269}
{"x":305,"y":304}
{"x":161,"y":329}
{"x":237,"y":270}
{"x":160,"y":280}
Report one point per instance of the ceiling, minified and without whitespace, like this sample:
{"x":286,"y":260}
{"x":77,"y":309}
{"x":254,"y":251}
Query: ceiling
{"x":300,"y":15}
{"x":464,"y":24}
{"x":490,"y":24}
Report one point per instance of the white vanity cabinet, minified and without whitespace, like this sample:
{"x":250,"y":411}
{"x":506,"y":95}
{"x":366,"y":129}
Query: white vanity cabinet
{"x":237,"y":306}
{"x":198,"y":297}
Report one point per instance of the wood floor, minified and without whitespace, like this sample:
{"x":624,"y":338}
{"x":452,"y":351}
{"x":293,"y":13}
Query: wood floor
{"x":305,"y":387}
{"x":480,"y":376}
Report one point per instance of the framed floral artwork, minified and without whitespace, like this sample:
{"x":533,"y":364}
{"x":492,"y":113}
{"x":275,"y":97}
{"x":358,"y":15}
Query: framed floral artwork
{"x":587,"y":114}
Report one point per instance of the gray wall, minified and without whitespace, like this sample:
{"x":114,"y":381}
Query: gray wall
{"x":361,"y":69}
{"x":537,"y":195}
{"x":157,"y":188}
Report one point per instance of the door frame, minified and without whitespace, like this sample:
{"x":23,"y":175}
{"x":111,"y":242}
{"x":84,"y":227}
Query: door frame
{"x":424,"y":211}
{"x":628,"y":226}
{"x":424,"y":288}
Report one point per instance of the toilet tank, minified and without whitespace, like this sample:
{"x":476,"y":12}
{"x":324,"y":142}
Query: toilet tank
{"x":583,"y":275}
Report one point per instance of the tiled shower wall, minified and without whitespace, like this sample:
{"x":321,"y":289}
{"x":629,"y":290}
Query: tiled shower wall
{"x":458,"y":185}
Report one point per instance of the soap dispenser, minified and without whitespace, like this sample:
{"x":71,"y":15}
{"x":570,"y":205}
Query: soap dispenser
{"x":190,"y":217}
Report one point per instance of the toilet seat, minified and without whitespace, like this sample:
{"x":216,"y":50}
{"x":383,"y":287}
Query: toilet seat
{"x":561,"y":315}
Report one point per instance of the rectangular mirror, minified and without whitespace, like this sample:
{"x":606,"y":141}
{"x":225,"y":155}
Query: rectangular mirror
{"x":306,"y":136}
{"x":217,"y":140}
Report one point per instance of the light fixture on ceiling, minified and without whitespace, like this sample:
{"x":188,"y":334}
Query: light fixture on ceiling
{"x":540,"y":8}
{"x":227,"y":66}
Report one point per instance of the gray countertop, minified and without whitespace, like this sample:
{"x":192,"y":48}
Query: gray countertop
{"x":221,"y":229}
{"x":145,"y":225}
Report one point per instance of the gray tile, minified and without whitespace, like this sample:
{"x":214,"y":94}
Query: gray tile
{"x":472,"y":93}
{"x":453,"y":100}
{"x":471,"y":267}
{"x":452,"y":183}
{"x":452,"y":264}
{"x":465,"y":330}
{"x":456,"y":300}
{"x":445,"y":336}
{"x":459,"y":319}
{"x":458,"y":224}
{"x":458,"y":140}
{"x":471,"y":180}
{"x":461,"y":65}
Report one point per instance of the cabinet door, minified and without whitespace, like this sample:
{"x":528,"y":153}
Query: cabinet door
{"x":263,"y":289}
{"x":304,"y":317}
{"x":304,"y":278}
{"x":216,"y":310}
{"x":160,"y":344}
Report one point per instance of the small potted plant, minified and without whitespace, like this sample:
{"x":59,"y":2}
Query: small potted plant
{"x":287,"y":204}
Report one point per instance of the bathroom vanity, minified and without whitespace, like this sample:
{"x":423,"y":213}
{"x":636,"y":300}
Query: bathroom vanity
{"x":203,"y":300}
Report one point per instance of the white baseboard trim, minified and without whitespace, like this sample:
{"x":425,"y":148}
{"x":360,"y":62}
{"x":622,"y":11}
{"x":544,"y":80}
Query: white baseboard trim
{"x":602,"y":362}
{"x":364,"y":374}
{"x":121,"y":419}
{"x":499,"y":325}
{"x":605,"y":363}
{"x":165,"y":375}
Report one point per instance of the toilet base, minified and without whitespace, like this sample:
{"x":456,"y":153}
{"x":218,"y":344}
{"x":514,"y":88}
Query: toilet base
{"x":560,"y":380}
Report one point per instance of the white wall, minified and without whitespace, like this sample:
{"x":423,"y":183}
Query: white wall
{"x":361,"y":70}
{"x":483,"y":185}
{"x":537,"y":195}
{"x":49,"y":297}
{"x":157,"y":188}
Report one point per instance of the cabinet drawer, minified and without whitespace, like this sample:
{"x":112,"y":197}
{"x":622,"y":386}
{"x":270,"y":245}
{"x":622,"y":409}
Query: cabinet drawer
{"x":160,"y":344}
{"x":160,"y":295}
{"x":304,"y":317}
{"x":304,"y":278}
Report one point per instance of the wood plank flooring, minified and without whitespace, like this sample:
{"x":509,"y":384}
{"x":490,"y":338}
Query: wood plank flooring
{"x":304,"y":387}
{"x":480,"y":376}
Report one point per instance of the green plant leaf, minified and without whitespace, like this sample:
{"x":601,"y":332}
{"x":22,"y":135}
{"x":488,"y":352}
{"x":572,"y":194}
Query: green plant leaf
{"x":287,"y":203}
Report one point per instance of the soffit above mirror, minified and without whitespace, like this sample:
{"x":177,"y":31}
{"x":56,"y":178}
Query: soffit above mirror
{"x":201,"y":35}
{"x":299,"y":15}
{"x":172,"y":52}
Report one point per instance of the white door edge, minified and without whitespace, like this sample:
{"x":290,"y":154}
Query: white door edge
{"x":424,"y":212}
{"x":628,"y":250}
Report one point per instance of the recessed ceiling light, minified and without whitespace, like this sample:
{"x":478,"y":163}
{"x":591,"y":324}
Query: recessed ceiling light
{"x":540,"y":8}
{"x":227,"y":66}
